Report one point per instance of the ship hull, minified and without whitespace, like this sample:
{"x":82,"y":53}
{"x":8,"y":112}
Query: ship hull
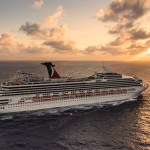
{"x":72,"y":101}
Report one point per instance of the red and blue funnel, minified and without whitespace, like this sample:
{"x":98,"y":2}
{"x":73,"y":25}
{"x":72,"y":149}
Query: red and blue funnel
{"x":51,"y":70}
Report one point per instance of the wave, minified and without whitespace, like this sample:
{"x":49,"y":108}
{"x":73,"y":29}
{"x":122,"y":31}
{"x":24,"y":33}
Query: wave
{"x":6,"y":117}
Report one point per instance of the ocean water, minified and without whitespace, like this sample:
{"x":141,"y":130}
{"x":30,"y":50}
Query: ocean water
{"x":114,"y":127}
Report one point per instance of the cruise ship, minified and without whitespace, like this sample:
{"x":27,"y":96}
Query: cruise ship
{"x":28,"y":92}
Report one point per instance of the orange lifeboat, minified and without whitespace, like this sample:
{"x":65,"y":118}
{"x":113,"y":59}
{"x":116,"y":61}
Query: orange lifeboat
{"x":97,"y":93}
{"x":124,"y":91}
{"x":54,"y":96}
{"x":65,"y":94}
{"x":45,"y":97}
{"x":72,"y":95}
{"x":82,"y":93}
{"x":89,"y":93}
{"x":119,"y":91}
{"x":36,"y":98}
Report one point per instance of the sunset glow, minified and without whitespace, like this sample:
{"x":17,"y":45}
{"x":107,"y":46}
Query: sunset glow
{"x":148,"y":51}
{"x":78,"y":30}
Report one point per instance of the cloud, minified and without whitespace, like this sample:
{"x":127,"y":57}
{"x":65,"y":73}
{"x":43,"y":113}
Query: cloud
{"x":61,"y":45}
{"x":30,"y":28}
{"x":113,"y":50}
{"x":139,"y":33}
{"x":120,"y":26}
{"x":33,"y":50}
{"x":119,"y":47}
{"x":106,"y":15}
{"x":45,"y":29}
{"x":58,"y":32}
{"x":33,"y":29}
{"x":137,"y":47}
{"x":107,"y":49}
{"x":55,"y":36}
{"x":58,"y":40}
{"x":123,"y":8}
{"x":50,"y":33}
{"x":6,"y":39}
{"x":4,"y":50}
{"x":126,"y":28}
{"x":37,"y":4}
{"x":6,"y":42}
{"x":118,"y":41}
{"x":53,"y":19}
{"x":92,"y":49}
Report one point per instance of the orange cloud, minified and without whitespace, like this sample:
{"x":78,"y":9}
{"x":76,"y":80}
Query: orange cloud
{"x":37,"y":4}
{"x":6,"y":39}
{"x":139,"y":33}
{"x":61,"y":46}
{"x":123,"y":9}
{"x":51,"y":36}
{"x":35,"y":49}
{"x":53,"y":19}
{"x":126,"y":30}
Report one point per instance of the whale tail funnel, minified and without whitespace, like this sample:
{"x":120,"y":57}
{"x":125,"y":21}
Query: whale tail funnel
{"x":51,"y":70}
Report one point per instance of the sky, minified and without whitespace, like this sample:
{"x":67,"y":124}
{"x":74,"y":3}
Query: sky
{"x":108,"y":30}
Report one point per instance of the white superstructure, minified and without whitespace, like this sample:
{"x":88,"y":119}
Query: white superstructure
{"x":26,"y":92}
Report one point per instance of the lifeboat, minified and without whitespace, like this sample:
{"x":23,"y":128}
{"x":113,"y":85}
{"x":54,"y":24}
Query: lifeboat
{"x":82,"y":93}
{"x":36,"y":98}
{"x":89,"y":93}
{"x":111,"y":91}
{"x":54,"y":96}
{"x":124,"y":91}
{"x":72,"y":95}
{"x":45,"y":97}
{"x":97,"y":93}
{"x":65,"y":94}
{"x":119,"y":91}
